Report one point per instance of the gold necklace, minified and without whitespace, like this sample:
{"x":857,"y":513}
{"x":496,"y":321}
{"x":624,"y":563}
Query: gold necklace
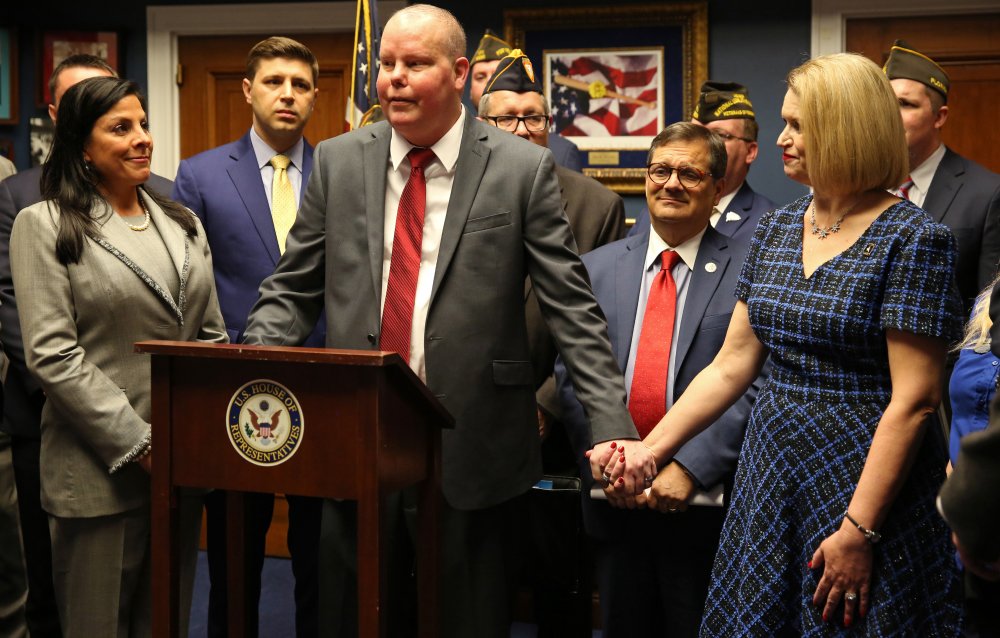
{"x":145,"y":224}
{"x":823,"y":233}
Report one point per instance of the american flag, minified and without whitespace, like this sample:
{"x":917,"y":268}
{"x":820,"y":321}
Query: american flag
{"x":582,"y":112}
{"x":366,"y":38}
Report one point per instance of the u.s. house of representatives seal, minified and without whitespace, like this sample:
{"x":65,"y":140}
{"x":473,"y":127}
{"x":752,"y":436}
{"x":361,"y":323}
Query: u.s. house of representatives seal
{"x":264,"y":422}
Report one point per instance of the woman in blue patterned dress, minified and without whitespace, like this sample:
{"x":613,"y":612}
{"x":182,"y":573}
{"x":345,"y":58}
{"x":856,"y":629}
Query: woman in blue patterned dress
{"x":832,"y":526}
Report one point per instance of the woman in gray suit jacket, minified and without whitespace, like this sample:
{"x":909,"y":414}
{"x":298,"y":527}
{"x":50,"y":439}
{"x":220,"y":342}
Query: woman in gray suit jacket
{"x":101,"y":264}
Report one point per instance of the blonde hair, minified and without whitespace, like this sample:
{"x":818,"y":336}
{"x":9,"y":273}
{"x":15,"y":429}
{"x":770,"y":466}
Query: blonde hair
{"x":851,"y":126}
{"x":977,"y":330}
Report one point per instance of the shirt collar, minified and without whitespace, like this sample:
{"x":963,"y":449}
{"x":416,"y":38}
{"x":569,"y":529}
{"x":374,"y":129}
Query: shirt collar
{"x":445,"y":149}
{"x":687,"y":251}
{"x":264,"y":153}
{"x":923,"y":175}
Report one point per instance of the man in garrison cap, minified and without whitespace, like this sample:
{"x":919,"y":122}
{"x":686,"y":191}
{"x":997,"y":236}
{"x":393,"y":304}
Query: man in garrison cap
{"x":725,"y":108}
{"x":513,"y":101}
{"x":484,"y":62}
{"x":954,"y":190}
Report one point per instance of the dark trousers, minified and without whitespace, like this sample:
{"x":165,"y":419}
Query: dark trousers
{"x":40,"y":611}
{"x":654,"y":572}
{"x":480,"y":565}
{"x":303,"y":545}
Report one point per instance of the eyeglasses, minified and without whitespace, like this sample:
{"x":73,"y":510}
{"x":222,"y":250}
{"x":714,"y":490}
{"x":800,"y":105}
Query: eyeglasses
{"x":726,"y":137}
{"x":689,"y":176}
{"x":532,"y":123}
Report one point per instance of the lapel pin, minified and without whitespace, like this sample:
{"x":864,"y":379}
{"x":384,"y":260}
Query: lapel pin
{"x":711,"y":267}
{"x":869,"y":249}
{"x":733,"y":217}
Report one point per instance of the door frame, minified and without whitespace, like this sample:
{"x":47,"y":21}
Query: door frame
{"x":165,"y":24}
{"x":829,"y":17}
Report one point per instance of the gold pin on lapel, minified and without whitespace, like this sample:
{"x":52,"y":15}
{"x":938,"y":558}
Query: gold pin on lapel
{"x":869,"y":249}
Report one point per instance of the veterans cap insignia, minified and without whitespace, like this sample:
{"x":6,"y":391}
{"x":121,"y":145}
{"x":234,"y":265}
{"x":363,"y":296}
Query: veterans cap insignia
{"x":907,"y":63}
{"x":723,"y":101}
{"x":490,"y":48}
{"x":514,"y":73}
{"x":265,"y":422}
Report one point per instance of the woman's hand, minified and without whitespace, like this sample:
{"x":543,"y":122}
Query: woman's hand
{"x":846,"y":560}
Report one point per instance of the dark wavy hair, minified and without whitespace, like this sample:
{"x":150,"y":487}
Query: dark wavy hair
{"x":70,"y":182}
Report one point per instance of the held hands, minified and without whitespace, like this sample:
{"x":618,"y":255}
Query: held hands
{"x":846,"y":560}
{"x":672,"y":489}
{"x":625,"y":469}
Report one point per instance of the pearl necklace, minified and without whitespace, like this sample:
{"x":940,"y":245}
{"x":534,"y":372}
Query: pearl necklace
{"x":145,"y":224}
{"x":823,"y":233}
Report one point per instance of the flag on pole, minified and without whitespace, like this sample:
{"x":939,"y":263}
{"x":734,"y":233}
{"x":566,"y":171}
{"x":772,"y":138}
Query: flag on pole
{"x":362,"y":103}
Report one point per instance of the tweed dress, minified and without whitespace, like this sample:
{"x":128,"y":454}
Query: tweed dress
{"x":812,"y":425}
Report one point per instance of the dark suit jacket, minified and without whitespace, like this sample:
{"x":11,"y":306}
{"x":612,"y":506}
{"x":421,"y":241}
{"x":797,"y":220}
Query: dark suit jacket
{"x":22,"y":410}
{"x":223,"y":187}
{"x":616,"y":273}
{"x":966,"y":197}
{"x":597,"y":216}
{"x":504,"y":222}
{"x":565,"y":153}
{"x":738,"y":221}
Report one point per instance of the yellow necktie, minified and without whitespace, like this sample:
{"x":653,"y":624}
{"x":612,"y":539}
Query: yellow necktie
{"x":283,"y":204}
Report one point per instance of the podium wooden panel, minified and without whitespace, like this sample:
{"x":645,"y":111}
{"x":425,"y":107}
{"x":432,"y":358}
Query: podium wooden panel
{"x":369,"y":426}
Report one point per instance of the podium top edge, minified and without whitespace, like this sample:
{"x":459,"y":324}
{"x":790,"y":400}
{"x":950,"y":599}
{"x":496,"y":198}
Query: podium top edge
{"x":196,"y":349}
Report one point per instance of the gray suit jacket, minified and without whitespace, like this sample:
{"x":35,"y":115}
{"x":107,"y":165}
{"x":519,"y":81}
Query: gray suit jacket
{"x":79,"y":324}
{"x":504,"y":222}
{"x":966,"y":197}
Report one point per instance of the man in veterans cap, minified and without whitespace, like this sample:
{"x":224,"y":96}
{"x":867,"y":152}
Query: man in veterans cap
{"x":954,"y":190}
{"x":484,"y":63}
{"x":725,"y":108}
{"x":513,"y":101}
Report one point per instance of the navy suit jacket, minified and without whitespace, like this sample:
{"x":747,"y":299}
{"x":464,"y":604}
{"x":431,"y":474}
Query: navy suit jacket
{"x":23,"y":397}
{"x":616,"y":275}
{"x":748,"y":205}
{"x":966,"y":197}
{"x":565,"y":153}
{"x":223,"y":187}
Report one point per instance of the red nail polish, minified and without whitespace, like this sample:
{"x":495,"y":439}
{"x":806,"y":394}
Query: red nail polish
{"x":809,"y":564}
{"x":621,"y":481}
{"x":613,"y":445}
{"x":824,"y":617}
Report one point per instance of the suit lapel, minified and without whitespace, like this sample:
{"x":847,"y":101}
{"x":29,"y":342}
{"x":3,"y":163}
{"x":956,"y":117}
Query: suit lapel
{"x":307,"y":166}
{"x":375,"y":152}
{"x":176,"y":244}
{"x":741,"y":205}
{"x":947,"y":180}
{"x":628,"y":280}
{"x":472,"y":158}
{"x":700,"y":290}
{"x":245,"y":174}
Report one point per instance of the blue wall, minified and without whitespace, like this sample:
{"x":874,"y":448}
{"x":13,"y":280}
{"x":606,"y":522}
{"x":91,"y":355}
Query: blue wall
{"x":754,"y":44}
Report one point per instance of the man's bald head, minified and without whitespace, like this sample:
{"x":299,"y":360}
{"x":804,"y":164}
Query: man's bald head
{"x":451,"y":35}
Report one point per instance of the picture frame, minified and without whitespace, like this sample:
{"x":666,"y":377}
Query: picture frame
{"x":58,"y":45}
{"x":8,"y":76}
{"x":679,"y":30}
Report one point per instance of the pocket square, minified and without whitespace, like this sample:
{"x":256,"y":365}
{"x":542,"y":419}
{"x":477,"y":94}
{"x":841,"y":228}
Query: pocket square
{"x":733,"y":217}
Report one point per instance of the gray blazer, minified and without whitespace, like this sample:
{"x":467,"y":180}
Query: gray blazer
{"x":80,"y":323}
{"x":504,"y":222}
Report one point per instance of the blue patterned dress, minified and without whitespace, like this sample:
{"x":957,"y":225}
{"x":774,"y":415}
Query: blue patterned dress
{"x":812,"y":425}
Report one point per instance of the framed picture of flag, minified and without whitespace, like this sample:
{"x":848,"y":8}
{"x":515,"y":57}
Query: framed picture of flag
{"x":615,"y":76}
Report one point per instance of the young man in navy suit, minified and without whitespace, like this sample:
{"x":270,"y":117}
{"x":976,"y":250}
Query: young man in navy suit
{"x":725,"y":108}
{"x":246,"y":194}
{"x":955,"y":191}
{"x":655,"y":557}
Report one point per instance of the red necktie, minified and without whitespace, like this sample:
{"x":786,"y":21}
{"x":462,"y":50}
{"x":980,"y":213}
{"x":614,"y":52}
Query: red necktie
{"x":904,"y":190}
{"x":647,"y":400}
{"x":397,"y":313}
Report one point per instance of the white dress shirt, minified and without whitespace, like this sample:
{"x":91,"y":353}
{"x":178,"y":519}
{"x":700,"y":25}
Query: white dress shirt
{"x":923,"y":175}
{"x":439,"y":176}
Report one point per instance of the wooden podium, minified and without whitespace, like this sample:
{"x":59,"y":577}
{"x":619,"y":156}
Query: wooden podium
{"x":358,"y":424}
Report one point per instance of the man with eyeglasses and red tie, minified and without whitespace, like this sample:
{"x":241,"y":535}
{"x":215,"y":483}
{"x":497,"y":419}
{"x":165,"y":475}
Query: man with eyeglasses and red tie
{"x":668,"y":295}
{"x":725,"y":108}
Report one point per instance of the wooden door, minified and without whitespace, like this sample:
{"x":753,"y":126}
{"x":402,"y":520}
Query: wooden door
{"x":967,"y":48}
{"x":213,"y":110}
